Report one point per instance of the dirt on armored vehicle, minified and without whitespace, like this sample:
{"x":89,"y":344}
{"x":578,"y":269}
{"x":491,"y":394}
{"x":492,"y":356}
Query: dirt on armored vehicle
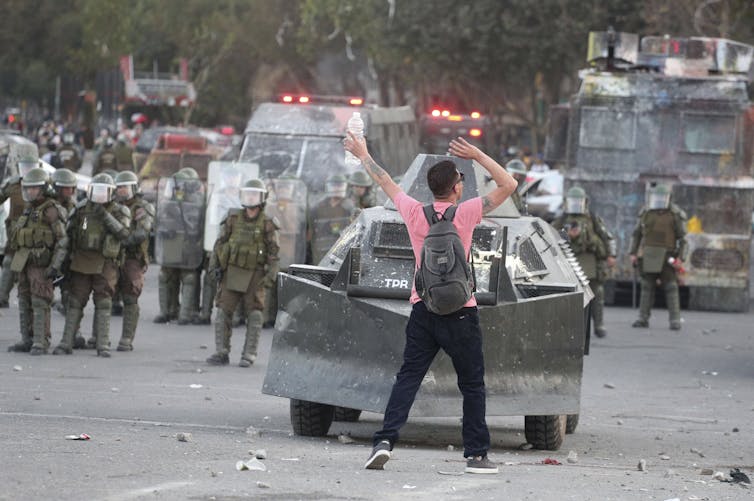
{"x":339,"y":334}
{"x":673,"y":111}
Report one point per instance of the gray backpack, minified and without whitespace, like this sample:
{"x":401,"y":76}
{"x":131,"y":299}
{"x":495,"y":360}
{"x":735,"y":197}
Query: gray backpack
{"x":443,"y":280}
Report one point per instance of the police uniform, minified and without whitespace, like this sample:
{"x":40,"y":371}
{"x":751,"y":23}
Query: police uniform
{"x":326,"y":222}
{"x":10,"y":189}
{"x":593,"y":245}
{"x":247,"y":253}
{"x":96,"y":232}
{"x":179,"y":247}
{"x":123,"y":156}
{"x":106,"y":160}
{"x":659,"y":236}
{"x":69,"y":157}
{"x":135,"y":263}
{"x":40,"y":241}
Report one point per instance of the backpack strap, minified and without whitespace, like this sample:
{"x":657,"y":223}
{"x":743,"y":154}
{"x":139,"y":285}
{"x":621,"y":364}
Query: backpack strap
{"x":431,"y":214}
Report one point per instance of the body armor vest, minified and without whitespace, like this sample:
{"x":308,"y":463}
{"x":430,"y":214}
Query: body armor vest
{"x":33,"y":232}
{"x":91,"y":233}
{"x":659,"y":229}
{"x":246,"y":247}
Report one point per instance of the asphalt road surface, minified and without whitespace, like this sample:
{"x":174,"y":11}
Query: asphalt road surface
{"x":682,"y":402}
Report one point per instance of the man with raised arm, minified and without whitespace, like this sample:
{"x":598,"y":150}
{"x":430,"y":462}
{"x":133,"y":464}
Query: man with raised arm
{"x":458,"y":333}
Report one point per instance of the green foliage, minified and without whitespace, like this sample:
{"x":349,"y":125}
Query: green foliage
{"x":511,"y":56}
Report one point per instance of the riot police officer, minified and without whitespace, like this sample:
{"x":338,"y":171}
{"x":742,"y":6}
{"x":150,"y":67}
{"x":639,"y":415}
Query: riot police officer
{"x":96,"y":230}
{"x":178,"y":244}
{"x":360,"y":190}
{"x":68,"y":154}
{"x":106,"y":158}
{"x":11,"y":189}
{"x":64,"y":186}
{"x":123,"y":154}
{"x":329,"y":217}
{"x":246,"y":252}
{"x":40,"y":241}
{"x":593,"y":245}
{"x":658,"y":246}
{"x":224,"y":198}
{"x":136,"y":256}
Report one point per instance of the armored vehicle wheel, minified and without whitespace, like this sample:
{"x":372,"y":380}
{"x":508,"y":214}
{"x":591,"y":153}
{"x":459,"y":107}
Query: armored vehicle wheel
{"x":346,"y":414}
{"x":545,"y":432}
{"x":571,"y":423}
{"x":311,"y":419}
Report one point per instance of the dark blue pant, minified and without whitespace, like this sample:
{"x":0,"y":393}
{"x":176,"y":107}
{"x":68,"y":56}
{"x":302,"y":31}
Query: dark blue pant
{"x":460,"y":337}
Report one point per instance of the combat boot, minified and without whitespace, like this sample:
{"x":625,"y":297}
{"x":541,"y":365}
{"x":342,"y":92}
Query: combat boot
{"x":646,"y":300}
{"x":6,"y":281}
{"x":130,"y":320}
{"x":39,"y":326}
{"x":253,"y":329}
{"x":222,"y":340}
{"x":102,"y":308}
{"x":598,"y":309}
{"x":73,"y":316}
{"x":209,"y":291}
{"x":673,"y":300}
{"x":164,"y":296}
{"x":24,"y":324}
{"x":188,"y":297}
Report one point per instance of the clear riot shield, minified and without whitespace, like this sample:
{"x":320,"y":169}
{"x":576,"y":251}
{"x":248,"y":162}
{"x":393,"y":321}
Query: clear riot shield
{"x":224,"y":179}
{"x":286,"y":201}
{"x":179,"y":223}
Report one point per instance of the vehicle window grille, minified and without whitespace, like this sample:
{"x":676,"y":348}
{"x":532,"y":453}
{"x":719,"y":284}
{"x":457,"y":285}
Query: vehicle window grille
{"x":323,"y":276}
{"x":530,"y":256}
{"x":392,"y":241}
{"x":717,"y":259}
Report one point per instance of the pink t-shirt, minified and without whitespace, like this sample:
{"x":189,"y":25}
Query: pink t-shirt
{"x":468,"y":215}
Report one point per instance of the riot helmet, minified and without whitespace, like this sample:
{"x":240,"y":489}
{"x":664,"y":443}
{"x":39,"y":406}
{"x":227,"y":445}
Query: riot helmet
{"x":26,"y":164}
{"x":33,"y":183}
{"x":659,"y":197}
{"x":575,"y":201}
{"x":336,"y":186}
{"x":101,"y":189}
{"x":253,"y":194}
{"x":360,"y":178}
{"x":186,"y":182}
{"x":126,"y":185}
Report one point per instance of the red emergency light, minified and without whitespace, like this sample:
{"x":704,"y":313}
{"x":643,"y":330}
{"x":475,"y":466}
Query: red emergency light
{"x":287,"y":99}
{"x":11,"y":119}
{"x":476,"y":114}
{"x":356,"y":101}
{"x":445,"y":113}
{"x":475,"y":132}
{"x":435,"y":113}
{"x":303,"y":99}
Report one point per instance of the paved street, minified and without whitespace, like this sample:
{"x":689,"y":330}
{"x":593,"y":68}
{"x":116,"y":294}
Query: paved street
{"x":680,"y":401}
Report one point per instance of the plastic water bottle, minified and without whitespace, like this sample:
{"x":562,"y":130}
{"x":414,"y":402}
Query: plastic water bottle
{"x":356,"y":127}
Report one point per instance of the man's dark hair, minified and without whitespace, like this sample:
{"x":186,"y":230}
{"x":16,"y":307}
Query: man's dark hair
{"x":441,"y":178}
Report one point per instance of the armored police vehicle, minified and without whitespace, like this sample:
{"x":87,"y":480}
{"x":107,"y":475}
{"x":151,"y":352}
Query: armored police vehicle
{"x":339,"y":334}
{"x":673,"y":111}
{"x":301,"y":136}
